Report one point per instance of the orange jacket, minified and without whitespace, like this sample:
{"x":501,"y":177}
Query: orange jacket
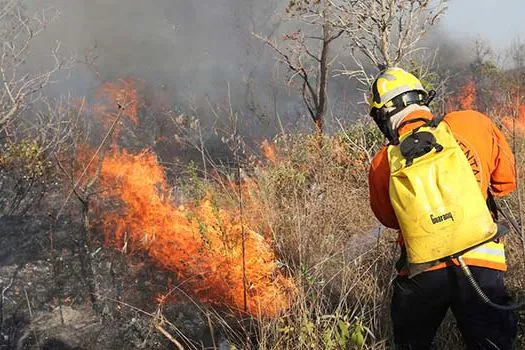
{"x":484,"y":145}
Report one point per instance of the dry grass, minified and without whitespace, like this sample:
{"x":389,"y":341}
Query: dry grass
{"x":315,"y":205}
{"x":311,"y":198}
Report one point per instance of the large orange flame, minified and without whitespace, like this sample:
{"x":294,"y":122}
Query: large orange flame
{"x":202,"y":245}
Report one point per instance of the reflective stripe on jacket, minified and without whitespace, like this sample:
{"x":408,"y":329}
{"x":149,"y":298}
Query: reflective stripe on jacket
{"x":489,"y":156}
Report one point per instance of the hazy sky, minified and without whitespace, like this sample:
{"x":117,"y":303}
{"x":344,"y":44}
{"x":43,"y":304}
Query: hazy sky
{"x":192,"y":48}
{"x":499,"y":21}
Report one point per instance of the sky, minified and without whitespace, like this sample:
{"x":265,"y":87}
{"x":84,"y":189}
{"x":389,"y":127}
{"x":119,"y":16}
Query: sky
{"x":499,"y":21}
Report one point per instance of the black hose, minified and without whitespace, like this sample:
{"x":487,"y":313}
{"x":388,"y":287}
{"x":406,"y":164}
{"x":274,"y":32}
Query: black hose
{"x":480,"y":292}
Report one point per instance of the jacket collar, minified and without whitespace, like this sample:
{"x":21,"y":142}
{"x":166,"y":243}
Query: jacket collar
{"x":423,"y":113}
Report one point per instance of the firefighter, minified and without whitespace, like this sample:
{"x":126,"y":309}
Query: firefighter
{"x":420,"y":302}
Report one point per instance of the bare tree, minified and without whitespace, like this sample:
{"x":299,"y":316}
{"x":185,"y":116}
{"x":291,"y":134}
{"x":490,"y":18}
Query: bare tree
{"x":28,"y":138}
{"x":385,"y":32}
{"x":256,"y":16}
{"x":18,"y":86}
{"x":27,"y":173}
{"x":517,"y":53}
{"x":307,"y":53}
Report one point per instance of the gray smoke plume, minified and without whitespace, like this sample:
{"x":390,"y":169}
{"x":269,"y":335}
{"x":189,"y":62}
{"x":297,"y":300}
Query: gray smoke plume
{"x":198,"y":53}
{"x":191,"y":47}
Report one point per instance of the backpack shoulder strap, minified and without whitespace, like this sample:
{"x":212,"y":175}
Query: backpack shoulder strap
{"x":415,"y":120}
{"x":434,"y":122}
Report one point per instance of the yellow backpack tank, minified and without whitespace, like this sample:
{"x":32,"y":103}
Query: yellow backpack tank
{"x":435,"y":195}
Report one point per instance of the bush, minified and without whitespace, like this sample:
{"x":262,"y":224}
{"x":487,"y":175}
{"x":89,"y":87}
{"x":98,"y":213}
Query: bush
{"x":25,"y":175}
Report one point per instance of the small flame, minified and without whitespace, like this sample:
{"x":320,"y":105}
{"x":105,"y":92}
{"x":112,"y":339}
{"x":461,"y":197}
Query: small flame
{"x":202,"y":245}
{"x":465,"y":98}
{"x":268,"y":151}
{"x":113,"y":98}
{"x":518,"y":124}
{"x":121,"y":94}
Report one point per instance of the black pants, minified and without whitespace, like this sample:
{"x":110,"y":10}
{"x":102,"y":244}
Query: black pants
{"x":420,"y":304}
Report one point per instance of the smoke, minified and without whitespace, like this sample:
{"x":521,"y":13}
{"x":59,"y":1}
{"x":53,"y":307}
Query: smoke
{"x":191,"y":47}
{"x":199,"y":54}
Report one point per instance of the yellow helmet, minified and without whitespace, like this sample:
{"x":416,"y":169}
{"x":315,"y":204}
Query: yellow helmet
{"x":392,"y":91}
{"x":390,"y":83}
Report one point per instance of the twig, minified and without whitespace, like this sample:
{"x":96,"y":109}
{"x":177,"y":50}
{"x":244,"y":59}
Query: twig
{"x":517,"y":169}
{"x":126,"y":304}
{"x":203,"y":153}
{"x":169,"y":336}
{"x":108,"y":134}
{"x":68,"y":175}
{"x":3,"y":298}
{"x":211,"y":331}
{"x":28,"y":304}
{"x":355,"y":144}
{"x":243,"y":238}
{"x":239,"y":186}
{"x":159,"y":319}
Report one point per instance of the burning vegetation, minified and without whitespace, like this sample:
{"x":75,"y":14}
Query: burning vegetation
{"x":269,"y":245}
{"x":202,"y":244}
{"x":215,"y":257}
{"x":298,"y":206}
{"x":502,"y":101}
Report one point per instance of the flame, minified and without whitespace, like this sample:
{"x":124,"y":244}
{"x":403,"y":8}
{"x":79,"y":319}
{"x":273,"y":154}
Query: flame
{"x":518,"y":123}
{"x":202,"y":245}
{"x":268,"y":151}
{"x":499,"y":109}
{"x":123,"y":94}
{"x":465,"y":98}
{"x":114,"y":98}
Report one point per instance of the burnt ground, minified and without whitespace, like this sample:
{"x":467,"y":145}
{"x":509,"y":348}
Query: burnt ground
{"x":57,"y":292}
